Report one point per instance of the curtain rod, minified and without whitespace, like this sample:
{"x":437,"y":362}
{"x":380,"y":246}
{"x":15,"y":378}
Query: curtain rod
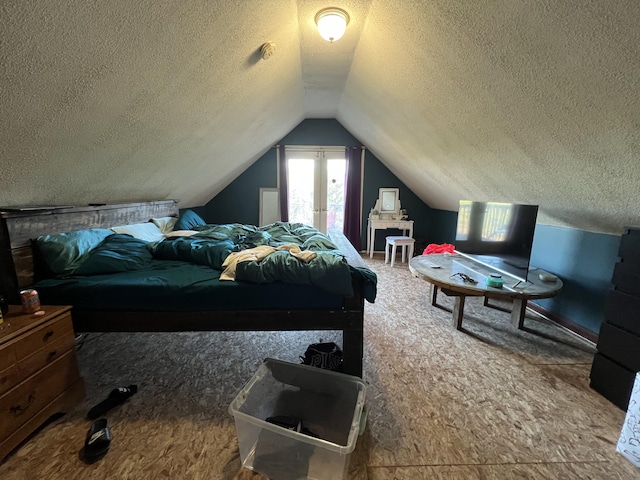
{"x":319,"y":147}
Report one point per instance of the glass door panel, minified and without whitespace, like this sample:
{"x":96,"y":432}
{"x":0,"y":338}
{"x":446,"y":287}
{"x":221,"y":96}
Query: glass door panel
{"x":301,"y":190}
{"x":335,"y":193}
{"x":316,"y":188}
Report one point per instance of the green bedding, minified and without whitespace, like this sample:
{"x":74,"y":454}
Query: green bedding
{"x":184,"y":273}
{"x":212,"y":244}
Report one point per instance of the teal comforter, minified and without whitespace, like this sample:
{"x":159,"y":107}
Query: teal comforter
{"x":212,"y":244}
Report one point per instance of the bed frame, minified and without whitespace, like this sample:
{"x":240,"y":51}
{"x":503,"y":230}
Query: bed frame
{"x":20,"y":225}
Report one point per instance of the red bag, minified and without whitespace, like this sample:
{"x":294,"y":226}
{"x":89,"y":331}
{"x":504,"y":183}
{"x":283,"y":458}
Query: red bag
{"x":438,"y":248}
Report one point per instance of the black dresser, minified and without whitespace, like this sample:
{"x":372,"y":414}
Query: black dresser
{"x":618,"y":358}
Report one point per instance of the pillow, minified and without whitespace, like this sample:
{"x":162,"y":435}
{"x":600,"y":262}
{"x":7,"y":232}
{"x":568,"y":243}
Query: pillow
{"x":180,"y":233}
{"x":165,"y":224}
{"x":148,"y":232}
{"x":188,"y":220}
{"x":62,"y":253}
{"x":117,"y":253}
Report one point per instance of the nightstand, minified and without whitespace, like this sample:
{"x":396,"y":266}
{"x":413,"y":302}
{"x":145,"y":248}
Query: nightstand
{"x":38,"y":371}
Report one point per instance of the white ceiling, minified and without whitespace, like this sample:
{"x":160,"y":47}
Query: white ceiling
{"x":508,"y":100}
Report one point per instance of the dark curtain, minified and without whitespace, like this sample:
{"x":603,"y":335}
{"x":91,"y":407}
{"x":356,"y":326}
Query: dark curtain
{"x":284,"y":185}
{"x":353,"y":182}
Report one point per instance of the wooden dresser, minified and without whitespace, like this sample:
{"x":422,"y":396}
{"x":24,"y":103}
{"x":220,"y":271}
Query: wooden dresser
{"x":38,"y":371}
{"x":618,"y":359}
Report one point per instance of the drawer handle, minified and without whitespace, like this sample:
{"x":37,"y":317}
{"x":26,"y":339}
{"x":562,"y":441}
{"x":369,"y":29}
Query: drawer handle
{"x":47,"y":335}
{"x":19,"y":409}
{"x":52,"y":355}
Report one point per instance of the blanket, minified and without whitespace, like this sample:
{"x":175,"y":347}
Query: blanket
{"x":259,"y":253}
{"x":214,"y":244}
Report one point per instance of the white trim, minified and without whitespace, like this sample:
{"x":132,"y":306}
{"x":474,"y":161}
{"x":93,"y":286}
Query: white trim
{"x":325,"y":148}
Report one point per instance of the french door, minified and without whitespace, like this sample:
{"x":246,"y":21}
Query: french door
{"x":316,"y":187}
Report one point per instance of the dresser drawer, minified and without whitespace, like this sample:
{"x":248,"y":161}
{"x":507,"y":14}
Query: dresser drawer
{"x":384,"y":225}
{"x":612,"y":380}
{"x":44,"y":336}
{"x":620,"y":346}
{"x":9,"y":371}
{"x":22,"y":402}
{"x":630,"y":247}
{"x":9,"y":377}
{"x":7,"y":356}
{"x":626,"y":278}
{"x":392,"y":224}
{"x":623,"y":310}
{"x":46,"y":355}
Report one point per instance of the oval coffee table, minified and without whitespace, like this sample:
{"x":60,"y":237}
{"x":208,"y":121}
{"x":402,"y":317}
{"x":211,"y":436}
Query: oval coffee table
{"x":447,"y":272}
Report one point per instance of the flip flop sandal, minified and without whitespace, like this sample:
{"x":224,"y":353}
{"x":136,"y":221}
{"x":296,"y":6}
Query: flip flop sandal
{"x":115,"y":398}
{"x":98,"y":441}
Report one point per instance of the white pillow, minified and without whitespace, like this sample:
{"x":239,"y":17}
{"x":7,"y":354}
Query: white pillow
{"x":180,"y":233}
{"x":165,"y":224}
{"x":148,"y":232}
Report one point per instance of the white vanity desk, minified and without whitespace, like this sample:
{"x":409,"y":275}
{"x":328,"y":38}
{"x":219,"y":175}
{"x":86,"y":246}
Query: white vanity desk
{"x":386,"y":213}
{"x":381,"y":224}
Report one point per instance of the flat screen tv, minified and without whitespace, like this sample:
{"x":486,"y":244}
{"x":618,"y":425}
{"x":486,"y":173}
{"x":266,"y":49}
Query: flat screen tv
{"x":499,"y":235}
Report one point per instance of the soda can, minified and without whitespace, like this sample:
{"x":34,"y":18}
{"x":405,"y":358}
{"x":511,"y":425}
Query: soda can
{"x":30,"y":300}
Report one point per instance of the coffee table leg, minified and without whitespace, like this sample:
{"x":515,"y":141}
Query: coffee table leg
{"x":458,"y":311}
{"x":434,"y":295}
{"x":518,"y":311}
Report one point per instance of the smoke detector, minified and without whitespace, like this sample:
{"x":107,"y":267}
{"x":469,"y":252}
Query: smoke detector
{"x":267,"y":50}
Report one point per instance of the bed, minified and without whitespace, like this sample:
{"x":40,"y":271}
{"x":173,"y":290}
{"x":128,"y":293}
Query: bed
{"x":239,"y":305}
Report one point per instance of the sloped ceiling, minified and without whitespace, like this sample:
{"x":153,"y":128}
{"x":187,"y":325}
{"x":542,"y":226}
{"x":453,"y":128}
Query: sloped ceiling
{"x":512,"y":100}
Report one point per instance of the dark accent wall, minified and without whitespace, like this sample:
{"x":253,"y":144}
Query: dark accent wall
{"x":376,"y":176}
{"x":320,"y":132}
{"x":239,"y":201}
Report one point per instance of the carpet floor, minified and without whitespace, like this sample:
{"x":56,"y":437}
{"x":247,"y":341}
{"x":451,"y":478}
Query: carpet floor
{"x":487,"y":402}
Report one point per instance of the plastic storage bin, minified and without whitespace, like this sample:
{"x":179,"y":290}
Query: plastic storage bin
{"x":329,"y":406}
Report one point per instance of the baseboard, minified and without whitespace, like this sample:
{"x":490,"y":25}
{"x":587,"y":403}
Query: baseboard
{"x":560,"y":320}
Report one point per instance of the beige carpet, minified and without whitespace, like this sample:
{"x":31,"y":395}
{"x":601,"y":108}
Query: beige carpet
{"x":490,"y":402}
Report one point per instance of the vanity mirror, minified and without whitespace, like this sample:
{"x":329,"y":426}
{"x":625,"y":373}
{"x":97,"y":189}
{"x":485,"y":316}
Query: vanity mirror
{"x":389,"y":201}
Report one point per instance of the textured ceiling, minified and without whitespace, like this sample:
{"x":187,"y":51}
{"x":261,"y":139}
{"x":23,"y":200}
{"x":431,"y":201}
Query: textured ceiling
{"x":510,"y":100}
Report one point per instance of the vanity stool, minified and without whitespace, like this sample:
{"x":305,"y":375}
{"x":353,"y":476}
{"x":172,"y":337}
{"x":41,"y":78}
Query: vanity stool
{"x":398,"y":241}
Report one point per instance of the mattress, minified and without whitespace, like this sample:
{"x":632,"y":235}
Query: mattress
{"x":168,"y":285}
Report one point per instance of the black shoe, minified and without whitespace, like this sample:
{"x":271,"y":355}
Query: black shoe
{"x":116,"y":397}
{"x":324,"y":355}
{"x":98,"y":441}
{"x":291,"y":423}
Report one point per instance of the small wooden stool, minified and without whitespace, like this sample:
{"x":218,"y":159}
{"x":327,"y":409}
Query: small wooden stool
{"x":400,"y":241}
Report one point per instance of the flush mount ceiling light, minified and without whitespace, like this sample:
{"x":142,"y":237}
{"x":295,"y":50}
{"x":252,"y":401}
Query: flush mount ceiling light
{"x":332,"y":22}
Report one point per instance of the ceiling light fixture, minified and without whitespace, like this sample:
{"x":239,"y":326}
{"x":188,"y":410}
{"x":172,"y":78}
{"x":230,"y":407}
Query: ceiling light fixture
{"x":332,"y":22}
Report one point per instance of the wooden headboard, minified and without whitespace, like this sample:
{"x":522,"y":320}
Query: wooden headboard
{"x":19,"y":226}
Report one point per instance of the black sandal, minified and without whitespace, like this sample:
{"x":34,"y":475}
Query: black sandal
{"x":115,"y":398}
{"x":98,"y":441}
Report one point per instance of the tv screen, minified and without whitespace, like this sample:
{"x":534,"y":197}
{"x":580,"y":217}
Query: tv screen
{"x":497,"y":234}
